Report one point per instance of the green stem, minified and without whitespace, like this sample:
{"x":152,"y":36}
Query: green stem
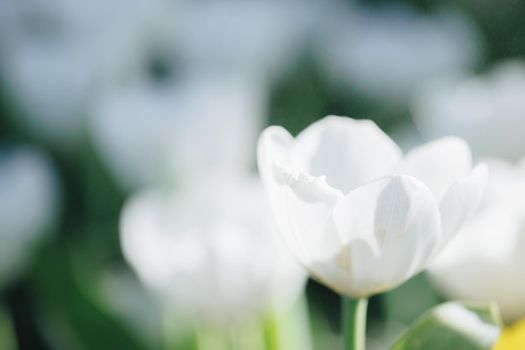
{"x":354,"y":323}
{"x":271,"y":333}
{"x":288,"y":328}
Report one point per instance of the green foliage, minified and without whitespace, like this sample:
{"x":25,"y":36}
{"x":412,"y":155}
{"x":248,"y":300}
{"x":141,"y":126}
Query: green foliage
{"x":421,"y":295}
{"x":70,"y":310}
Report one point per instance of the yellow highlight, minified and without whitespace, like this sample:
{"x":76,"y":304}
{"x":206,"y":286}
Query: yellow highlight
{"x":512,"y":338}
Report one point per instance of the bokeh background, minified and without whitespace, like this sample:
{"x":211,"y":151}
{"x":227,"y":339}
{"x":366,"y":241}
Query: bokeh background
{"x":101,"y":100}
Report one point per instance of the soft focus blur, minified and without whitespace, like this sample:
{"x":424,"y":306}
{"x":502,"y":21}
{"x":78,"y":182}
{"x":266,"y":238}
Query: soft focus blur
{"x":131,"y":214}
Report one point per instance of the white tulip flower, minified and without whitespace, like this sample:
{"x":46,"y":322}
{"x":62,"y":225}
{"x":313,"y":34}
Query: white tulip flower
{"x":488,"y":110}
{"x":486,"y":261}
{"x":210,"y":252}
{"x":360,"y":216}
{"x":28,"y":206}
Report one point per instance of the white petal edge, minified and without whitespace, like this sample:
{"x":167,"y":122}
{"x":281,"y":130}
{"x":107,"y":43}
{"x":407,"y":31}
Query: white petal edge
{"x":273,"y":148}
{"x":308,"y":205}
{"x":349,"y":152}
{"x":274,"y":145}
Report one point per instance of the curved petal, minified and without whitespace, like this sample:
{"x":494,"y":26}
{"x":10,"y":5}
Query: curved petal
{"x":398,"y":218}
{"x":348,"y":152}
{"x":335,"y":273}
{"x":460,"y":201}
{"x":308,"y":206}
{"x":439,"y":164}
{"x":274,"y":145}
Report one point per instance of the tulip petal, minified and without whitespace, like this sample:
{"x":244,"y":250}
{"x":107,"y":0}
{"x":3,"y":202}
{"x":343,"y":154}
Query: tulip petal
{"x":273,"y":146}
{"x":308,"y":207}
{"x":348,"y":152}
{"x":460,"y":201}
{"x":399,"y":220}
{"x":295,"y":198}
{"x":439,"y":164}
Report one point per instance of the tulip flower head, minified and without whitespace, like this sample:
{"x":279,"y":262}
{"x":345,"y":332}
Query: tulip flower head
{"x":360,"y":216}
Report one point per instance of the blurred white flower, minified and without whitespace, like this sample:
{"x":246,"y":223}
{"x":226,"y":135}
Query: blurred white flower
{"x":210,"y":250}
{"x":150,"y":134}
{"x":263,"y":38}
{"x":28,"y":206}
{"x":389,"y":52}
{"x":361,"y":217}
{"x":488,"y":111}
{"x":54,"y":57}
{"x":53,"y":54}
{"x":485,"y":261}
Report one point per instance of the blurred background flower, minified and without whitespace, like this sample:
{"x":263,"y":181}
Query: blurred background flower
{"x":488,"y":111}
{"x":357,"y":46}
{"x":262,"y":40}
{"x":149,"y":135}
{"x":485,"y":261}
{"x":113,"y":108}
{"x":55,"y":56}
{"x":210,"y":249}
{"x":210,"y":255}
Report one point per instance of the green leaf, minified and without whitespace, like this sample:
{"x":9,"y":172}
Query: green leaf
{"x":455,"y":326}
{"x":406,"y":303}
